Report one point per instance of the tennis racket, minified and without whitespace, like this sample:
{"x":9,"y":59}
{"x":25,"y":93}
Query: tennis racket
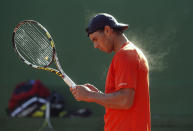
{"x":47,"y":126}
{"x":35,"y":46}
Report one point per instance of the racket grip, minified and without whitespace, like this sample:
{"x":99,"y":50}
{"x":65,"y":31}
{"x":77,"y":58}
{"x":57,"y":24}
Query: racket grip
{"x":69,"y":82}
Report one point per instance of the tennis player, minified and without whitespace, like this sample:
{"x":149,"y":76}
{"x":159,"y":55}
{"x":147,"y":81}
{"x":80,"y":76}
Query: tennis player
{"x":126,"y":98}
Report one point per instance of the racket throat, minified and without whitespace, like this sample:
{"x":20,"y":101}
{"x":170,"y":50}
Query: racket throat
{"x":68,"y":81}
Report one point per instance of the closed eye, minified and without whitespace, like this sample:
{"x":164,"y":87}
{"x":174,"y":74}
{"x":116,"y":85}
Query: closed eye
{"x":94,"y":40}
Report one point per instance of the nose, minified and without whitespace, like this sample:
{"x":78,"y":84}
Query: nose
{"x":96,"y":45}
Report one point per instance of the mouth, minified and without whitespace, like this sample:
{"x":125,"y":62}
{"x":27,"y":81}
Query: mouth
{"x":101,"y":49}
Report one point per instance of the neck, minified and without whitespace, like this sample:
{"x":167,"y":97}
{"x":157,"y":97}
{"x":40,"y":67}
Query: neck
{"x":119,"y":41}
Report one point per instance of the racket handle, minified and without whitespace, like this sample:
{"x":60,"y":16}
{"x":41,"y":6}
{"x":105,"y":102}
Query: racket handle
{"x":69,"y":82}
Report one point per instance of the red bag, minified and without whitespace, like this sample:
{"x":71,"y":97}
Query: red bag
{"x":26,"y":90}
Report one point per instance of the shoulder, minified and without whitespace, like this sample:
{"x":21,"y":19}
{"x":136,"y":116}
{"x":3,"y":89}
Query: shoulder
{"x":128,"y":53}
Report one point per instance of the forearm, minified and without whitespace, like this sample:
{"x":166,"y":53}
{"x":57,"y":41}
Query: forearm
{"x":116,"y":100}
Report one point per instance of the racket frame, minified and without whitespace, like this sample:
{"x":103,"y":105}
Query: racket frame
{"x":58,"y":72}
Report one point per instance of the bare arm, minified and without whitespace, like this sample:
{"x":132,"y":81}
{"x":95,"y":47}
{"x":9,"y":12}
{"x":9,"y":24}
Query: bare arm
{"x":122,"y":99}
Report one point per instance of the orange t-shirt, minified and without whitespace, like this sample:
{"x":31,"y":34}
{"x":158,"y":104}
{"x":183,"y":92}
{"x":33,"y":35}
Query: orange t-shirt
{"x":129,"y":69}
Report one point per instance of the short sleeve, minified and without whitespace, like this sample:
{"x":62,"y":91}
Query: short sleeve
{"x":125,"y":69}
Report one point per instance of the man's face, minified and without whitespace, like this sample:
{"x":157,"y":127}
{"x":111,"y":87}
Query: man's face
{"x":101,"y":41}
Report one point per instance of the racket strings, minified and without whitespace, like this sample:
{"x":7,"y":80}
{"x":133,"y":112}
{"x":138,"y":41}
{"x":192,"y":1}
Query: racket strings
{"x":33,"y":44}
{"x":27,"y":49}
{"x":28,"y":39}
{"x":41,"y":41}
{"x":41,"y":38}
{"x":25,"y":39}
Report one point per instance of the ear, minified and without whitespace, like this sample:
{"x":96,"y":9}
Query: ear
{"x":107,"y":30}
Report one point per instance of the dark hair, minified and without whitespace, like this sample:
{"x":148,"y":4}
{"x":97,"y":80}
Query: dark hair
{"x":118,"y":30}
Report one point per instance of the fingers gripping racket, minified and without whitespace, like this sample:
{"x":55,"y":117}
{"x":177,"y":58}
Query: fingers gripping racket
{"x":35,"y":46}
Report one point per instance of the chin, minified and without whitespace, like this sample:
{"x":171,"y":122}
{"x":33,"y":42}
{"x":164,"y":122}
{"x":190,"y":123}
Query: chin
{"x":108,"y":51}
